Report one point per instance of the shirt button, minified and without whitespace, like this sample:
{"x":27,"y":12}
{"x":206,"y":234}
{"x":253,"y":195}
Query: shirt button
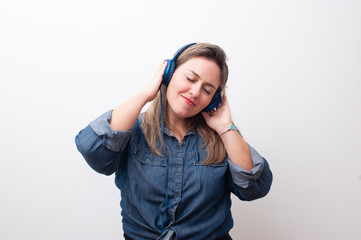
{"x":148,"y":160}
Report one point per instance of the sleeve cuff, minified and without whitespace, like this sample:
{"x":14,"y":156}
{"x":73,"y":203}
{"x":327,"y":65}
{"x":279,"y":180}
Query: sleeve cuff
{"x":114,"y":140}
{"x":241,"y":177}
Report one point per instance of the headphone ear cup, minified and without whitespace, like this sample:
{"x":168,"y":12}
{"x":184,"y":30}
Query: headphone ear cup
{"x":168,"y":73}
{"x":214,"y":103}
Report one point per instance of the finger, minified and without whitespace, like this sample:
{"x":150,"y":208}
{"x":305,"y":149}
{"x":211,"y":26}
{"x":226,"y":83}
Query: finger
{"x":162,"y":66}
{"x":224,"y":101}
{"x":158,"y":75}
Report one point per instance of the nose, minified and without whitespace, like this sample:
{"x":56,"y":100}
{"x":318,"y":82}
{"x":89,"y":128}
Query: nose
{"x":195,"y":90}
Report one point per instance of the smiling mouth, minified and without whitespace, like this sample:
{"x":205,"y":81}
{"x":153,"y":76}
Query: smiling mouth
{"x":188,"y":101}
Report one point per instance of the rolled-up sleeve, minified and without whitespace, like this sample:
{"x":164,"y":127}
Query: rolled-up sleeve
{"x":115,"y":140}
{"x":102,"y":147}
{"x":253,"y":184}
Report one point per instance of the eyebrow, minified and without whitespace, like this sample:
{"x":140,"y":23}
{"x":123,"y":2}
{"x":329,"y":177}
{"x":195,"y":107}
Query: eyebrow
{"x":194,"y":73}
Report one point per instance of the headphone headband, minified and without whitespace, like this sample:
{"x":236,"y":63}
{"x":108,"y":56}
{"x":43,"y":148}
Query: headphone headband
{"x":176,"y":55}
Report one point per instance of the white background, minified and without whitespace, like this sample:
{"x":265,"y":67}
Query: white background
{"x":294,"y":89}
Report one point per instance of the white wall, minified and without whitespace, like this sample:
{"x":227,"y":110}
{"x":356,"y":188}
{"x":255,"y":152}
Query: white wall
{"x":294,"y":88}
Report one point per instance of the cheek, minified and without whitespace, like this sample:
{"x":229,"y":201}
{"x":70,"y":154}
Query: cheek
{"x":172,"y":93}
{"x":206,"y":101}
{"x":170,"y":90}
{"x":176,"y":87}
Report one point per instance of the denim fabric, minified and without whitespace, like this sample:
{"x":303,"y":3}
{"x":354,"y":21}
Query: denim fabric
{"x":199,"y":195}
{"x":227,"y":237}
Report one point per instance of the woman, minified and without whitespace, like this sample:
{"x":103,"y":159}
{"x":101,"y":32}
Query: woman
{"x":177,"y":163}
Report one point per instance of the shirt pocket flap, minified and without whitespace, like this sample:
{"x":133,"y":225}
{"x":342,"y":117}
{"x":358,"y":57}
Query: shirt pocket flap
{"x":146,"y":157}
{"x":203,"y":156}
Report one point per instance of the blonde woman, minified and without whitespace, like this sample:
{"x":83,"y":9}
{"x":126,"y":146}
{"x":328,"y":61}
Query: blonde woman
{"x":177,"y":164}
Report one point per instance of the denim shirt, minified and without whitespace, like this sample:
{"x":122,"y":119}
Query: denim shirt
{"x":198,"y":195}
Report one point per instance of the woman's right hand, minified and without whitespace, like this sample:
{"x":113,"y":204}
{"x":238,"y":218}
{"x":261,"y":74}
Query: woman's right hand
{"x":153,"y":86}
{"x":125,"y":115}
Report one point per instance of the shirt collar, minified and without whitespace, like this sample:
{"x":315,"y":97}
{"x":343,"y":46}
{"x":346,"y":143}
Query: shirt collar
{"x":169,"y":133}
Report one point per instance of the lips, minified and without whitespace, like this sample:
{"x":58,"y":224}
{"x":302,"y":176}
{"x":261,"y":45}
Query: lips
{"x":189,"y":101}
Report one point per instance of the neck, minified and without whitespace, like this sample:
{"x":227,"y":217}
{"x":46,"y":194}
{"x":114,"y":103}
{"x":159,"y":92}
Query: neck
{"x":176,"y":125}
{"x":178,"y":128}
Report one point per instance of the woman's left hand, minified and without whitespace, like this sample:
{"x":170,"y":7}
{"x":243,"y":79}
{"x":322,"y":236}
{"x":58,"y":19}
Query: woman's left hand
{"x":219,"y":119}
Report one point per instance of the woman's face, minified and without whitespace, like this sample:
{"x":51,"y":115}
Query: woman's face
{"x":192,"y":87}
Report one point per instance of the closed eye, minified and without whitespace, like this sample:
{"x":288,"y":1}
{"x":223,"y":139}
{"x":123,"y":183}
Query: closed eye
{"x":204,"y":88}
{"x":207,"y":92}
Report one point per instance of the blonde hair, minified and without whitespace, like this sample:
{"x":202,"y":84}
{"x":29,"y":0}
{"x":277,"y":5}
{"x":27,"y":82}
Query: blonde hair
{"x":152,"y":117}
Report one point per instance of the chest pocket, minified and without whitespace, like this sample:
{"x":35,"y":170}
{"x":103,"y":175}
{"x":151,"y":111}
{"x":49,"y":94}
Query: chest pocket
{"x":202,"y":158}
{"x":212,"y":177}
{"x":222,"y":164}
{"x":146,"y":157}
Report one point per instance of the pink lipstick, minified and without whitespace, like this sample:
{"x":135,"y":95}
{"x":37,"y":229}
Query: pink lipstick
{"x":189,"y":101}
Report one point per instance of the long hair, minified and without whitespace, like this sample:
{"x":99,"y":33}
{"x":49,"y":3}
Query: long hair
{"x":152,"y":117}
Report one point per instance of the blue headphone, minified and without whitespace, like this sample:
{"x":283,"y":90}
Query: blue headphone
{"x":169,"y":71}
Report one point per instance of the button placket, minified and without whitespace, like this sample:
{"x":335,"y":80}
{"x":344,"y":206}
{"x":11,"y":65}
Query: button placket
{"x":179,"y":177}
